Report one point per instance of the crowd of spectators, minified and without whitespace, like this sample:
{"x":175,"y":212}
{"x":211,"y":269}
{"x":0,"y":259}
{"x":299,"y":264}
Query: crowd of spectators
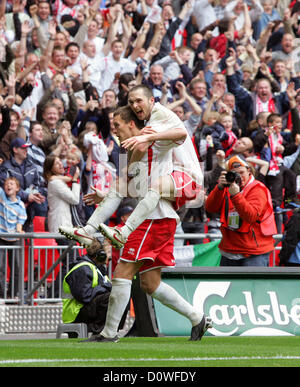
{"x":229,"y":69}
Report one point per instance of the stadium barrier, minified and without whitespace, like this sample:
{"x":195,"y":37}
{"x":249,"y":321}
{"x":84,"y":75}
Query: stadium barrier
{"x":247,"y":301}
{"x":32,"y":273}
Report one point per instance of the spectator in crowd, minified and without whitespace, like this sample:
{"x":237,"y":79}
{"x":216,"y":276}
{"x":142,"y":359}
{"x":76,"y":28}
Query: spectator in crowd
{"x":286,"y":49}
{"x":101,"y":173}
{"x":204,"y":13}
{"x":172,"y":63}
{"x":41,"y":15}
{"x":12,"y":218}
{"x":198,"y":90}
{"x":73,"y":53}
{"x":50,"y":126}
{"x":261,"y":100}
{"x":270,"y":13}
{"x":60,"y":198}
{"x":161,"y":90}
{"x":126,"y":82}
{"x":35,"y":154}
{"x":193,"y":118}
{"x":246,"y":215}
{"x":26,"y":173}
{"x":290,"y":251}
{"x":60,"y":92}
{"x":112,"y":66}
{"x":14,"y":131}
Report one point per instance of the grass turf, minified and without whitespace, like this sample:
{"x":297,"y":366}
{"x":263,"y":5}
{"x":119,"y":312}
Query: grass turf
{"x":154,"y":352}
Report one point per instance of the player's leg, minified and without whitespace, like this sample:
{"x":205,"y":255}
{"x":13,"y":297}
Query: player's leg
{"x":163,"y":188}
{"x":118,"y":300}
{"x":151,"y":283}
{"x":84,"y":235}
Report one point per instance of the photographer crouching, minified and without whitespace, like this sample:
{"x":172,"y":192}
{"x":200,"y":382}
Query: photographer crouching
{"x":246,"y":215}
{"x":86,"y":289}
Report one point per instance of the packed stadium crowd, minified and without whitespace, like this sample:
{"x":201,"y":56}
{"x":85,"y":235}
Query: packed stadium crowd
{"x":230,"y":70}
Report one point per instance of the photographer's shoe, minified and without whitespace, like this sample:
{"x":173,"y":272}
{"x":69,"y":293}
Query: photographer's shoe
{"x":199,"y":330}
{"x":114,"y":235}
{"x":77,"y":234}
{"x":101,"y":339}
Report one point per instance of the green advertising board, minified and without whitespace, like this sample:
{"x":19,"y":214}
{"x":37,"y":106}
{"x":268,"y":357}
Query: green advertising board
{"x":262,"y":303}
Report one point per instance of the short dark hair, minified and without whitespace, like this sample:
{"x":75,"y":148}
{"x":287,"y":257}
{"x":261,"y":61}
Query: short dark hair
{"x":32,"y":125}
{"x":127,"y":115}
{"x":70,"y":45}
{"x":146,"y":90}
{"x":272,"y":117}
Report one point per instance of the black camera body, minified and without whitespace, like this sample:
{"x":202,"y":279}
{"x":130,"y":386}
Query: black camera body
{"x":233,"y":177}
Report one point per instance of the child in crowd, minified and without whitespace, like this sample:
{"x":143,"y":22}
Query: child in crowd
{"x":275,"y":142}
{"x":72,"y":160}
{"x":219,"y":127}
{"x":213,"y":128}
{"x":12,"y":218}
{"x":101,"y":172}
{"x":228,"y":138}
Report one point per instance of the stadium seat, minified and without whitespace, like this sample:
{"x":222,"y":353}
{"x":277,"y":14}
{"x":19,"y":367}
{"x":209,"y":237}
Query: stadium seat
{"x":80,"y":329}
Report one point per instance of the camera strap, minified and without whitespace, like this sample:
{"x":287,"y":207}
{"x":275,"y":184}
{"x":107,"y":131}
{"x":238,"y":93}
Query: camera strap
{"x":233,"y":219}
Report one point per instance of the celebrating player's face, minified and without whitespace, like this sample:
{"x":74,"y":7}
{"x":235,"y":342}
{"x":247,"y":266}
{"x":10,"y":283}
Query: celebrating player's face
{"x":141,"y":104}
{"x":123,"y":129}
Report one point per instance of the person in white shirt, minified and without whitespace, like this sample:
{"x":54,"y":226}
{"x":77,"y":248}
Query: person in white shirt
{"x":34,"y":98}
{"x":93,"y":61}
{"x":115,"y":64}
{"x":205,"y":15}
{"x":73,"y":55}
{"x":92,"y":34}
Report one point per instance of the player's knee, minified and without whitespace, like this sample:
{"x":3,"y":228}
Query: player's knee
{"x":147,"y":286}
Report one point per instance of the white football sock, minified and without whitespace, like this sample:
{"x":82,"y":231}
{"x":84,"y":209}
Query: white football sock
{"x":105,"y":210}
{"x":169,"y":297}
{"x":141,"y":212}
{"x":118,"y":300}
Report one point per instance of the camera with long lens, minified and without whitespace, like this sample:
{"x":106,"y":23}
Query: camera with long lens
{"x":233,"y":177}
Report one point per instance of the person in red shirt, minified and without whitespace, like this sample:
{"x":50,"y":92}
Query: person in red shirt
{"x":246,"y":215}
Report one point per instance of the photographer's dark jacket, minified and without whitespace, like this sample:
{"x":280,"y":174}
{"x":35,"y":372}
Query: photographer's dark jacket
{"x":81,"y":285}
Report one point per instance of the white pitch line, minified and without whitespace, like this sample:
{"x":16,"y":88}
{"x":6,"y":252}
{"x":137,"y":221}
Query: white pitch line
{"x":24,"y":361}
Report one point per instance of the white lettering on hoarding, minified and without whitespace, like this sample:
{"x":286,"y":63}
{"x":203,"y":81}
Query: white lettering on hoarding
{"x":258,"y":315}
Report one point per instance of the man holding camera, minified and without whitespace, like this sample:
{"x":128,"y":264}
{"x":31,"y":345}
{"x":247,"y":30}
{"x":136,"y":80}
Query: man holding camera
{"x":246,"y":215}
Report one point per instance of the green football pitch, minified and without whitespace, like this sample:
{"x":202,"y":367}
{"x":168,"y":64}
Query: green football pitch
{"x":153,"y":352}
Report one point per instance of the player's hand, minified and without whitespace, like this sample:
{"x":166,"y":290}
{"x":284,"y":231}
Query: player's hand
{"x":93,"y":197}
{"x":133,"y":142}
{"x":148,"y":130}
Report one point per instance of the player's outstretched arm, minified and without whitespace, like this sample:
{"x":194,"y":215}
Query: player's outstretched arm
{"x":148,"y":135}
